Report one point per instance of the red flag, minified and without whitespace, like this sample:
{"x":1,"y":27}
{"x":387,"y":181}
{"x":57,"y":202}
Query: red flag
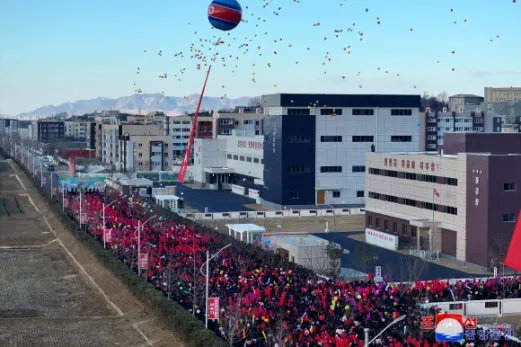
{"x":213,"y":308}
{"x":513,"y":259}
{"x":435,"y":192}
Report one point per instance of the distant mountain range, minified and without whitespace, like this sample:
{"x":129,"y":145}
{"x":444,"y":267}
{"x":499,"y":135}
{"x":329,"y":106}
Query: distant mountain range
{"x":171,"y":105}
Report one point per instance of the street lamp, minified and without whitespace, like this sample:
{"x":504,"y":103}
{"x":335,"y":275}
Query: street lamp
{"x":139,"y":226}
{"x":104,"y":207}
{"x":366,"y":330}
{"x":207,"y":276}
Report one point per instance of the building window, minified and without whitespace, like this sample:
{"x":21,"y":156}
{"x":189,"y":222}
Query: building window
{"x":401,"y":112}
{"x":360,"y":193}
{"x":330,"y":111}
{"x":140,"y":145}
{"x":330,"y":138}
{"x":298,"y":111}
{"x":386,"y":224}
{"x":140,"y":155}
{"x":509,"y":187}
{"x":377,"y":222}
{"x":235,"y":157}
{"x":401,"y":138}
{"x":255,"y":160}
{"x":293,"y":195}
{"x":336,"y":194}
{"x":229,"y":156}
{"x":509,"y":217}
{"x":299,"y":139}
{"x":225,"y":132}
{"x":331,"y":169}
{"x":404,"y":230}
{"x":395,"y":227}
{"x":248,"y":159}
{"x":241,"y":158}
{"x":363,"y":139}
{"x":299,"y":169}
{"x":414,"y":231}
{"x":370,"y":221}
{"x":266,"y":167}
{"x":363,"y":112}
{"x":226,"y":121}
{"x":358,"y":168}
{"x":247,"y":121}
{"x":451,"y":181}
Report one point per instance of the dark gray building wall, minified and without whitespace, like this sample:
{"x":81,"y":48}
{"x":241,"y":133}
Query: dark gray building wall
{"x":495,"y":143}
{"x":281,"y":153}
{"x":341,"y":100}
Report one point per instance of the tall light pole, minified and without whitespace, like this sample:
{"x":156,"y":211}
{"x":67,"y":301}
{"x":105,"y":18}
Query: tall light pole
{"x":207,"y":276}
{"x":104,"y":207}
{"x":80,"y":208}
{"x":139,"y":226}
{"x":366,"y":330}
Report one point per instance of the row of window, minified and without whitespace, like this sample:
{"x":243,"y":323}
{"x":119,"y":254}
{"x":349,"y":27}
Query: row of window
{"x":354,"y":112}
{"x":394,"y":138}
{"x":407,"y":230}
{"x":245,"y":158}
{"x":414,"y":203}
{"x":414,"y":177}
{"x":336,"y":194}
{"x":336,"y":169}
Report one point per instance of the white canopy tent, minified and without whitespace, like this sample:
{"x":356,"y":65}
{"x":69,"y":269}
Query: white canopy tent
{"x":168,"y":201}
{"x":249,"y":229}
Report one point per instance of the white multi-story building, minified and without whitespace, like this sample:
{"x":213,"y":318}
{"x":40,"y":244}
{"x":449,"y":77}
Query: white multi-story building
{"x":179,"y":130}
{"x":229,"y":159}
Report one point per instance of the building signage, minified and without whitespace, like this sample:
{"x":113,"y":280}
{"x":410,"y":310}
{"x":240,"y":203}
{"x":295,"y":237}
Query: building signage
{"x":381,"y":239}
{"x":213,"y":308}
{"x":95,"y":183}
{"x":423,"y":165}
{"x":237,"y":189}
{"x":249,"y":144}
{"x":108,"y":235}
{"x":274,"y":135}
{"x":143,"y":261}
{"x":476,"y":187}
{"x":461,"y":327}
{"x":253,"y":193}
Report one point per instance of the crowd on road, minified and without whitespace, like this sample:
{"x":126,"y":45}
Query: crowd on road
{"x":263,"y":303}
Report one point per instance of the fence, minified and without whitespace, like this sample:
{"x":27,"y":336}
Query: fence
{"x":481,"y":308}
{"x":273,"y":214}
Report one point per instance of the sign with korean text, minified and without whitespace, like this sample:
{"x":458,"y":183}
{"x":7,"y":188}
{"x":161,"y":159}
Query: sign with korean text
{"x":274,"y":135}
{"x":236,"y":189}
{"x":421,"y":165}
{"x":253,"y":193}
{"x":378,"y":271}
{"x":381,"y":239}
{"x":249,"y":144}
{"x":213,"y":308}
{"x":476,"y":186}
{"x":108,"y":235}
{"x":143,"y":261}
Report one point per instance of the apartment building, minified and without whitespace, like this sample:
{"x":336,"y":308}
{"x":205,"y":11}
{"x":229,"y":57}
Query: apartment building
{"x":242,"y":119}
{"x":464,"y":102}
{"x":437,"y":124}
{"x":51,"y":131}
{"x":502,"y":94}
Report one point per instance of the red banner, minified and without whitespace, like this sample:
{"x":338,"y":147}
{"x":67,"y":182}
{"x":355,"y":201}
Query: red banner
{"x":108,"y":235}
{"x":213,"y":308}
{"x":143,"y":261}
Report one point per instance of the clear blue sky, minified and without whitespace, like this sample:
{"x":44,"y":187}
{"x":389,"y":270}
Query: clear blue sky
{"x":55,"y":51}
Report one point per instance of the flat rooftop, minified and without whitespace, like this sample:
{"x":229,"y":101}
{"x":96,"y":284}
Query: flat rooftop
{"x":302,"y":241}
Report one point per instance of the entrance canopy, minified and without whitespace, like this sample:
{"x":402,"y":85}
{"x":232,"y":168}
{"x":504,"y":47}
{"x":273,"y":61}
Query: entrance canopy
{"x":252,"y":231}
{"x":168,"y":201}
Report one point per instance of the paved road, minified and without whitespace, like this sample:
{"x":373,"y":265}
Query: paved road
{"x":399,"y":267}
{"x":53,"y":292}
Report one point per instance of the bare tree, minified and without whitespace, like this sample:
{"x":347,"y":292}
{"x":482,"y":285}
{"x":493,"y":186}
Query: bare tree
{"x":255,"y":101}
{"x":279,"y":332}
{"x":233,"y":322}
{"x":413,"y":268}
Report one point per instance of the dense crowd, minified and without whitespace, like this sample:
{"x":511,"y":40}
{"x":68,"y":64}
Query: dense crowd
{"x":265,"y":304}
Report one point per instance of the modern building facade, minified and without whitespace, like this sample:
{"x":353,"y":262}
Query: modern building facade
{"x":51,"y":131}
{"x":464,"y":102}
{"x":502,"y":94}
{"x":469,"y":121}
{"x":229,"y":159}
{"x":315,"y":145}
{"x":462,"y":203}
{"x":242,"y":119}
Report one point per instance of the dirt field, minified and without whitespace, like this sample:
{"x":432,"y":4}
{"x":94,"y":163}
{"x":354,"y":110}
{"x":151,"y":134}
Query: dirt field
{"x":301,"y":224}
{"x":53,"y":292}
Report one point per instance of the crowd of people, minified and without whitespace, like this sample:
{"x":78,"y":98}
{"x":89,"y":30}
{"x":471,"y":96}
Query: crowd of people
{"x":263,"y":303}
